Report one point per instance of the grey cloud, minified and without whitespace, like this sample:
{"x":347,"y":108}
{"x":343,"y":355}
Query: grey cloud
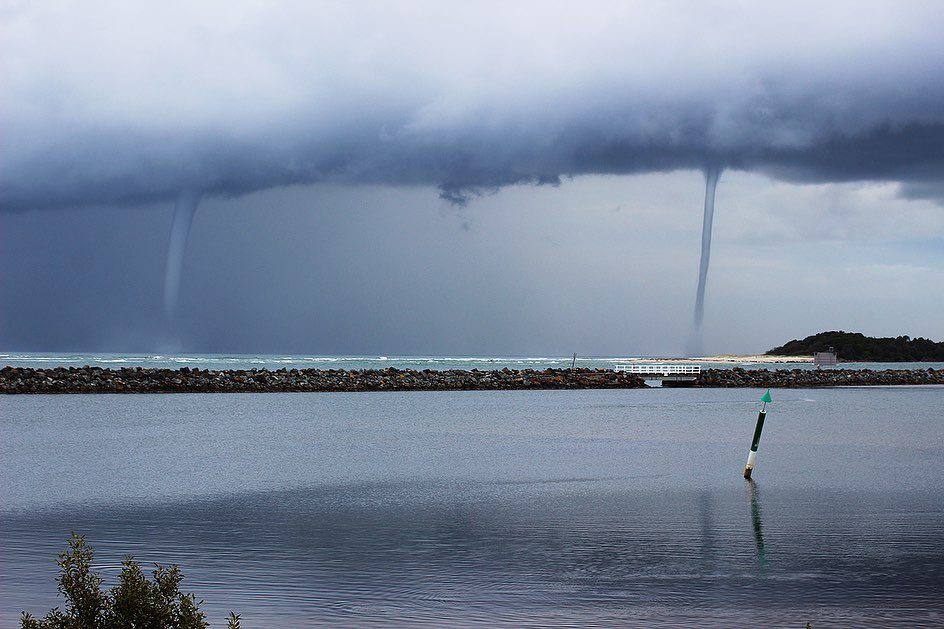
{"x":363,"y":93}
{"x":931,"y":189}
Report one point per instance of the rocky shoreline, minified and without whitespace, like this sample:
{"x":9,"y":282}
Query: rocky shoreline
{"x":186,"y":380}
{"x":811,"y":378}
{"x":18,"y":380}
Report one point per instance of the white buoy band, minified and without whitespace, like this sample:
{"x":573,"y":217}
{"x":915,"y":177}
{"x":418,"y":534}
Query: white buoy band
{"x":750,"y":458}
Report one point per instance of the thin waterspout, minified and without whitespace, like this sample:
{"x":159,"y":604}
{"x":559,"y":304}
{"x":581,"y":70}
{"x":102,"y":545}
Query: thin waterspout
{"x":184,"y":210}
{"x":712,"y":174}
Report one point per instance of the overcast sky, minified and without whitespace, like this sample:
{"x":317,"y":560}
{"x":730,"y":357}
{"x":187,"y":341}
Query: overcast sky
{"x":469,"y":178}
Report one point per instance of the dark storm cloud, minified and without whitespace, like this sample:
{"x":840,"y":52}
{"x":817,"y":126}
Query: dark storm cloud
{"x":107,"y":104}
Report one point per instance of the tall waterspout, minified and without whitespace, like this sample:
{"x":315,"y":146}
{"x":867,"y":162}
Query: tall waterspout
{"x":712,"y":173}
{"x":187,"y":201}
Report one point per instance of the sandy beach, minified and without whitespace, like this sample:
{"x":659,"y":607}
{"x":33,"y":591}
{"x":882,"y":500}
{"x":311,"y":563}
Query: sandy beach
{"x":733,"y":359}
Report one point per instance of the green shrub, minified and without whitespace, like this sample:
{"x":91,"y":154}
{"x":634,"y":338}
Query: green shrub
{"x":136,"y":602}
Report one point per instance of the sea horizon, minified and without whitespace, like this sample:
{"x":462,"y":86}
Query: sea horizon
{"x":248,"y":361}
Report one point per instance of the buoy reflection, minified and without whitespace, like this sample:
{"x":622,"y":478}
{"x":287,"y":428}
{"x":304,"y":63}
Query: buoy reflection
{"x":754,"y":493}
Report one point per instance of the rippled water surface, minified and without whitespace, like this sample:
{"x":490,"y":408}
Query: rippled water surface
{"x":552,"y":508}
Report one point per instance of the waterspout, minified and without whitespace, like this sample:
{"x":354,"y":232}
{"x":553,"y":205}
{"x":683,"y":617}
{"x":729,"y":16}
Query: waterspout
{"x":712,"y":173}
{"x":185,"y":208}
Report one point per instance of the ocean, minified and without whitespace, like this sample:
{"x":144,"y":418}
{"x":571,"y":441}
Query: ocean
{"x":490,"y":508}
{"x":281,"y":361}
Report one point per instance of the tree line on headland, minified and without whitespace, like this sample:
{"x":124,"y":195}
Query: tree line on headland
{"x":857,"y":347}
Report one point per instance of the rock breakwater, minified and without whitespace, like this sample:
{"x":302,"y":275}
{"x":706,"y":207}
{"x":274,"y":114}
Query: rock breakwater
{"x":142,"y":380}
{"x":811,"y":378}
{"x":186,"y":380}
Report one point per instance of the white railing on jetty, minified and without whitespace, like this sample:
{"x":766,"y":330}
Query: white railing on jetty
{"x":825,"y":358}
{"x":664,"y":370}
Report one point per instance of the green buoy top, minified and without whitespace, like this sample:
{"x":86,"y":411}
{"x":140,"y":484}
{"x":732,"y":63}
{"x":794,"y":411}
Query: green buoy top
{"x":766,"y":397}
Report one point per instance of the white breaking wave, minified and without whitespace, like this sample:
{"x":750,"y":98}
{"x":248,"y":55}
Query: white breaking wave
{"x":436,"y":363}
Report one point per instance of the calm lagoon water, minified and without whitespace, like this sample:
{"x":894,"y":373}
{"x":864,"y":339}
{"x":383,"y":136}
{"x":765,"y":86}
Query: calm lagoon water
{"x":549,"y":508}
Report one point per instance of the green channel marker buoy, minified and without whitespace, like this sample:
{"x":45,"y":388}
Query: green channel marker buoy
{"x":752,"y":455}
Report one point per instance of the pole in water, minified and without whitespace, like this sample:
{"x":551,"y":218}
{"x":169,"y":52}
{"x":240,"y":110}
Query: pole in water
{"x":752,"y":455}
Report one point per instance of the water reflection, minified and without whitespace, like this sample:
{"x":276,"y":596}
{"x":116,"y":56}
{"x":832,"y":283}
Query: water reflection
{"x":754,"y":493}
{"x":439,"y":555}
{"x":708,"y":538}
